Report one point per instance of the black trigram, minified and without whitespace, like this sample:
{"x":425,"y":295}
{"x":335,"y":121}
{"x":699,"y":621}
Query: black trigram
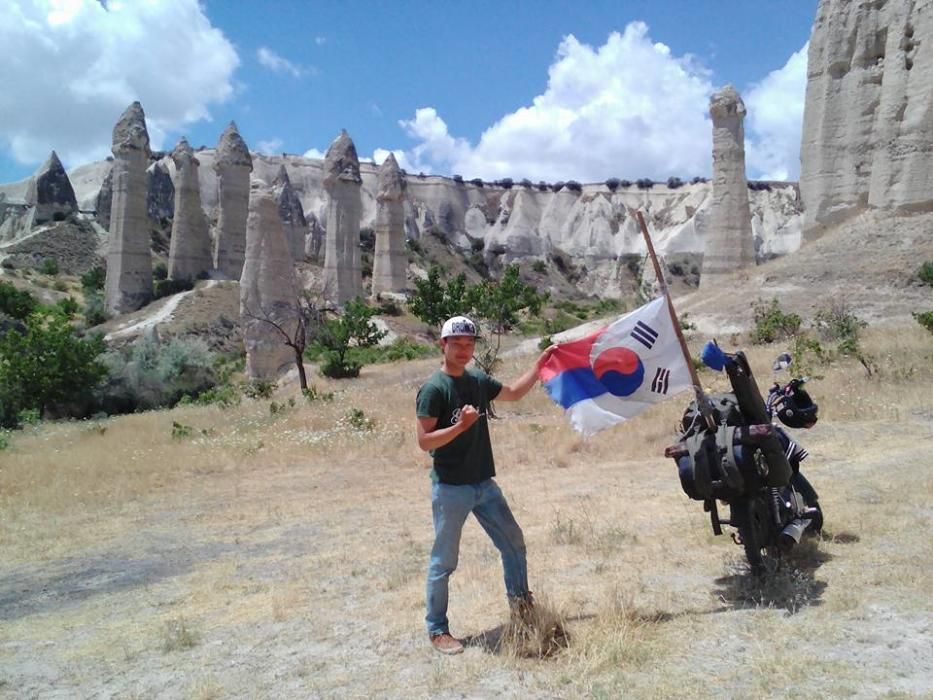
{"x":644,"y":334}
{"x":659,"y":383}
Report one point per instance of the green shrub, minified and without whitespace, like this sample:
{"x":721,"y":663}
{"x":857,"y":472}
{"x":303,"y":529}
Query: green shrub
{"x":16,"y":303}
{"x":94,"y":313}
{"x":403,"y":348}
{"x":68,"y":306}
{"x":93,"y":279}
{"x":151,"y":374}
{"x":925,"y":319}
{"x":49,"y":267}
{"x":926,"y":273}
{"x":180,"y":431}
{"x":771,"y":323}
{"x":223,"y":395}
{"x":60,"y":286}
{"x":4,"y":440}
{"x":359,"y":421}
{"x":165,"y":287}
{"x":259,"y":389}
{"x":539,"y":266}
{"x":159,"y":271}
{"x":312,"y":394}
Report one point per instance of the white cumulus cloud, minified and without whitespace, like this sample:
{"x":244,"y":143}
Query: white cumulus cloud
{"x":70,"y":69}
{"x":313,"y":153}
{"x":775,"y":119}
{"x":270,"y":147}
{"x":629,"y":108}
{"x":279,"y":64}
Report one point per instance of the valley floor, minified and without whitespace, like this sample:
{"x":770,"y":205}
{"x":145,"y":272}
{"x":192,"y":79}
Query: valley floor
{"x":213,"y":553}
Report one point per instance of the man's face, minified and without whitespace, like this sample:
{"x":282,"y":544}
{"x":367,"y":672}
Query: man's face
{"x":458,"y":349}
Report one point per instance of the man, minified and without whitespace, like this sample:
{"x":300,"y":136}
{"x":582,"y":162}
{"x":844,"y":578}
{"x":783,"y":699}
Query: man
{"x":452,"y":410}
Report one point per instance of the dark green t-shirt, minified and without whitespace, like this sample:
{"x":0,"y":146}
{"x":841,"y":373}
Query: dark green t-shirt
{"x":467,"y":459}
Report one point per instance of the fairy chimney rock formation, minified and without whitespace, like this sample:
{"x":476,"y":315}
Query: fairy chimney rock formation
{"x":390,"y":261}
{"x":343,"y":275}
{"x":233,"y":164}
{"x":129,"y":262}
{"x":729,"y":244}
{"x":867,"y":138}
{"x":50,"y":192}
{"x":190,"y":251}
{"x":292,"y":214}
{"x":268,"y":290}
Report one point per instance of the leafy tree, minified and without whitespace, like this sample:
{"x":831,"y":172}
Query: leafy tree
{"x":433,"y":302}
{"x":499,"y":303}
{"x":337,"y":337}
{"x":772,"y":323}
{"x":48,"y":365}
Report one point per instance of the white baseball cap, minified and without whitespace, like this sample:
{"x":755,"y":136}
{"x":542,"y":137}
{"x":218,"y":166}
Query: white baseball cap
{"x":459,"y":325}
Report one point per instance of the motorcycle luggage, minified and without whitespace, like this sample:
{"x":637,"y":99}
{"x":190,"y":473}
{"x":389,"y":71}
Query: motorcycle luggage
{"x":753,"y":408}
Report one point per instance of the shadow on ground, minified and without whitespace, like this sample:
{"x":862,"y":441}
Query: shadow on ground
{"x":788,"y":582}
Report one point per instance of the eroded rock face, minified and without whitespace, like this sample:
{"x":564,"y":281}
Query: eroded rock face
{"x":268,"y":290}
{"x":50,"y":192}
{"x":233,"y":164}
{"x":129,"y":261}
{"x":314,"y":239}
{"x":343,"y":275}
{"x":291,"y":213}
{"x":160,"y":193}
{"x":105,"y":200}
{"x":190,"y":251}
{"x":390,"y":261}
{"x":867,"y":136}
{"x":729,"y":245}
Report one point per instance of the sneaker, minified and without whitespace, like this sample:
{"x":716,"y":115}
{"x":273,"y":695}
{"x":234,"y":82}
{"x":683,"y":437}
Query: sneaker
{"x":445,"y":643}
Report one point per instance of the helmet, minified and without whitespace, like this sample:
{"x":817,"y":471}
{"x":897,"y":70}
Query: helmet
{"x":793,"y":405}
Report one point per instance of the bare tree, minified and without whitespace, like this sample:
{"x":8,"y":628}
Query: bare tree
{"x":307,"y":315}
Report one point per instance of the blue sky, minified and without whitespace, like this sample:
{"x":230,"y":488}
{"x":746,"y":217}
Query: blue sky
{"x":540,"y":89}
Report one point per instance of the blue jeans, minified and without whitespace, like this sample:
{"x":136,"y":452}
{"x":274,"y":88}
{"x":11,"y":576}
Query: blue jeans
{"x":451,"y":505}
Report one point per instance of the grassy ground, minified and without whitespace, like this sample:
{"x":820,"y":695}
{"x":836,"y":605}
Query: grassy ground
{"x":213,"y":553}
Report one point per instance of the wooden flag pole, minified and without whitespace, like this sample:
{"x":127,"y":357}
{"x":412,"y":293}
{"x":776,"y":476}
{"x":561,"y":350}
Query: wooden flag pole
{"x":702,"y":401}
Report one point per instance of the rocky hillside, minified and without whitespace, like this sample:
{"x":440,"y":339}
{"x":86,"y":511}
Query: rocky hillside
{"x":591,"y":224}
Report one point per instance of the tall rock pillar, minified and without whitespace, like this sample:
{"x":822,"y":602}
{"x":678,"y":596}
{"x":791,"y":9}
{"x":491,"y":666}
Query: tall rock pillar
{"x":129,"y":261}
{"x":233,"y":164}
{"x":190,"y":251}
{"x":268,"y":290}
{"x":390,"y":261}
{"x":729,"y":244}
{"x":343,"y":274}
{"x":291,"y":213}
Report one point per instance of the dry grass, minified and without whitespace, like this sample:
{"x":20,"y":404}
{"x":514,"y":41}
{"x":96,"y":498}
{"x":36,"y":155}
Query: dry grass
{"x":283,"y":555}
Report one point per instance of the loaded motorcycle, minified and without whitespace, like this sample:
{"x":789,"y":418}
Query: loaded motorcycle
{"x":729,"y":451}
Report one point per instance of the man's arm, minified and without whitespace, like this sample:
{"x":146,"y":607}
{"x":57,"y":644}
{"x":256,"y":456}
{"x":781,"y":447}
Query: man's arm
{"x":521,"y":386}
{"x":431,"y":439}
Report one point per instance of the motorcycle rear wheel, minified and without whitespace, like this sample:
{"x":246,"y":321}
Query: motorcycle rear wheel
{"x":753,"y":521}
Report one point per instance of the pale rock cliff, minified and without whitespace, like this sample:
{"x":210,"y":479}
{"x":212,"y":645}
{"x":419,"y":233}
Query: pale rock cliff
{"x":730,"y":245}
{"x":390,"y":259}
{"x":343,"y":275}
{"x":190,"y":251}
{"x":268,"y":290}
{"x":291,"y":213}
{"x":129,"y":260}
{"x":867,"y":137}
{"x":232,"y":165}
